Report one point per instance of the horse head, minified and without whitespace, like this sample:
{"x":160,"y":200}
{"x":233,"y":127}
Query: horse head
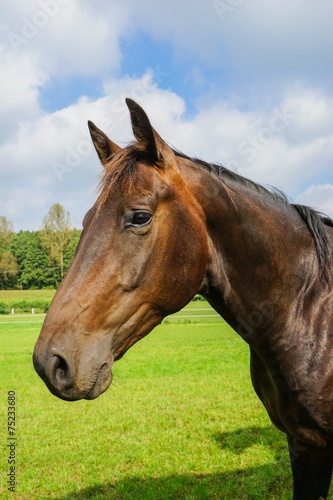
{"x":142,"y":255}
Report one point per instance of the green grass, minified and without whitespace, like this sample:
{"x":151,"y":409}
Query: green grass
{"x":195,"y":312}
{"x":180,"y":421}
{"x":23,"y":301}
{"x":9,"y":296}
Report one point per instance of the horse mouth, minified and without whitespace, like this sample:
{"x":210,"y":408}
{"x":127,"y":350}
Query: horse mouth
{"x":101,"y":384}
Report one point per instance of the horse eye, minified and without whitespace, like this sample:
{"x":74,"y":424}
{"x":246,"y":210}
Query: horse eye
{"x":140,"y":218}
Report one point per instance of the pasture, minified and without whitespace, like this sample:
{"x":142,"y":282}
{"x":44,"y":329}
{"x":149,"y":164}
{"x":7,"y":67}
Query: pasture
{"x":180,"y":421}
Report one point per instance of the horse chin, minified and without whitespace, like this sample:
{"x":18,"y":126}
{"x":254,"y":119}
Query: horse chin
{"x":101,"y":384}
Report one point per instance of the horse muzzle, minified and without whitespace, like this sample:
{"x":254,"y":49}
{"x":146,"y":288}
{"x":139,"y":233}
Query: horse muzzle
{"x":66,"y":381}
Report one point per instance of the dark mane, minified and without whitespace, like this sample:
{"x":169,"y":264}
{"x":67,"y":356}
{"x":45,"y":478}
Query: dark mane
{"x":224,"y":174}
{"x":121,"y":173}
{"x":314,"y":220}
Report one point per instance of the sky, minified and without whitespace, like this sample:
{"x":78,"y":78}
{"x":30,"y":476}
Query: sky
{"x":248,"y":84}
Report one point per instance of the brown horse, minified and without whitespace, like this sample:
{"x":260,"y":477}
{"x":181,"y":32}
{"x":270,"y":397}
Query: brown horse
{"x":165,"y":227}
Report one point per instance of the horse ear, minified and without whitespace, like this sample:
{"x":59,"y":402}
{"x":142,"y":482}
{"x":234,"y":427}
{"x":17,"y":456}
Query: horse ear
{"x":104,"y":146}
{"x":154,"y":146}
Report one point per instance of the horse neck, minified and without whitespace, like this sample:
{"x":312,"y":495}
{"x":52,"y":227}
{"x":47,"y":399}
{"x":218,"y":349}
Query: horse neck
{"x":259,"y":251}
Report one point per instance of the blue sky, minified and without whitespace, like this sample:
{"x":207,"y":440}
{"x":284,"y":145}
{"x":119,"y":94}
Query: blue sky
{"x":141,"y":53}
{"x":246,"y":84}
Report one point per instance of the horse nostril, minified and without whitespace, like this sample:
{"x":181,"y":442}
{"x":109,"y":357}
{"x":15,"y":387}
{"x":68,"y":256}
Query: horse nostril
{"x":62,"y":373}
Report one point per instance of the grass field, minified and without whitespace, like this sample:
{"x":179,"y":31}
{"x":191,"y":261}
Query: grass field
{"x":180,"y":421}
{"x":14,"y":295}
{"x":23,"y":301}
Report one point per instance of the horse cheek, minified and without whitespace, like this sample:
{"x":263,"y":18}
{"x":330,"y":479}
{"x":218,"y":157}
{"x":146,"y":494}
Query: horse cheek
{"x":191,"y":256}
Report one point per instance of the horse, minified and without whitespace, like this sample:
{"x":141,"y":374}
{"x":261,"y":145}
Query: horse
{"x":165,"y":227}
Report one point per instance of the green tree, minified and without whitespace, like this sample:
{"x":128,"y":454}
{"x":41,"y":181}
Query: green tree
{"x":33,"y":261}
{"x":8,"y":270}
{"x":6,"y":233}
{"x":8,"y":264}
{"x":56,"y":234}
{"x":71,"y":248}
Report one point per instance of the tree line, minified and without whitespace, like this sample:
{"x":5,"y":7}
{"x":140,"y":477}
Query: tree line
{"x":37,"y":259}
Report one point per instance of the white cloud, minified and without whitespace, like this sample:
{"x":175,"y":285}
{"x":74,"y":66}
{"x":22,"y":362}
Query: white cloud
{"x":319,"y":197}
{"x":66,"y":36}
{"x":19,"y":90}
{"x":260,"y":45}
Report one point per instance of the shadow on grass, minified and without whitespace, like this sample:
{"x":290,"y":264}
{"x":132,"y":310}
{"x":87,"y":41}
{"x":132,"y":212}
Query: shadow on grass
{"x":241,"y":439}
{"x":254,"y":483}
{"x":269,"y":481}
